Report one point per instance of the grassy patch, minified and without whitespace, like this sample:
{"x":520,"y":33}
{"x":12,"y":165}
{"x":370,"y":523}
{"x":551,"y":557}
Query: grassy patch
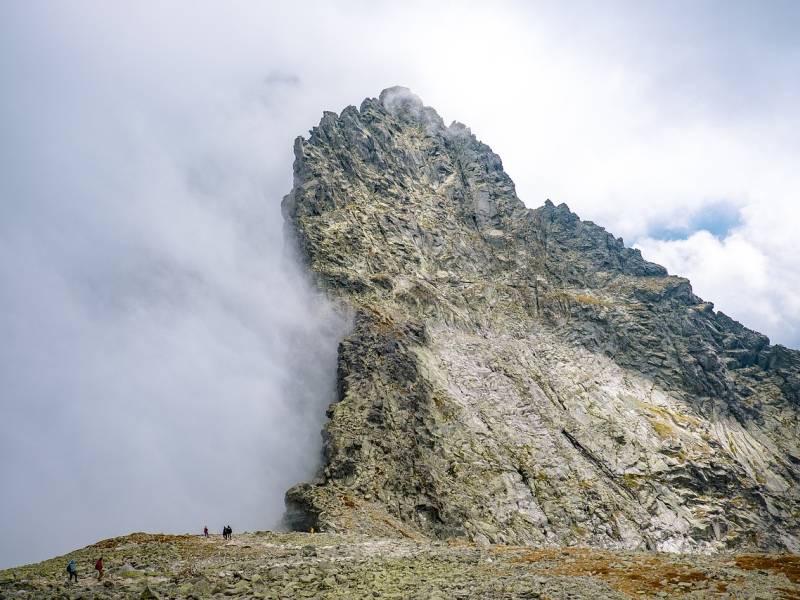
{"x":133,"y":574}
{"x":787,"y":564}
{"x":638,"y":576}
{"x":142,"y":538}
{"x":662,"y":429}
{"x":593,"y":300}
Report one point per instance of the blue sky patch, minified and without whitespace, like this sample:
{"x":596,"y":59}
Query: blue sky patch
{"x":718,"y":218}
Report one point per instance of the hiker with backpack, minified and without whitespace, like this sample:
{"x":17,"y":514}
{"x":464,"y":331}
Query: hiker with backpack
{"x":72,"y":569}
{"x":99,"y":568}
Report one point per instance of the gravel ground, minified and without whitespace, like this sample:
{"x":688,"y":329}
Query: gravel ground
{"x":298,"y":565}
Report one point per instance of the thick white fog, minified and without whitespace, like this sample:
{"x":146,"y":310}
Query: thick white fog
{"x":163,"y":367}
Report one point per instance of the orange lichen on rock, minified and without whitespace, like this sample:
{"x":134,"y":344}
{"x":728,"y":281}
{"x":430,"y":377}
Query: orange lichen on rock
{"x":632,"y":575}
{"x":143,"y":538}
{"x":788,"y":564}
{"x":787,"y":594}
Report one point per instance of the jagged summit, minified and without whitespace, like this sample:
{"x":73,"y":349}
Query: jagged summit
{"x":519,"y":375}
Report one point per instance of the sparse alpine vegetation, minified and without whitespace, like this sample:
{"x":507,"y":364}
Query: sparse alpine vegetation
{"x":347,"y":566}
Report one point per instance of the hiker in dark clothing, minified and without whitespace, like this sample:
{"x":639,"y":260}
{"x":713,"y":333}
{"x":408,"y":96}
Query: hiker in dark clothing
{"x":99,"y":568}
{"x":205,"y":531}
{"x":72,"y":569}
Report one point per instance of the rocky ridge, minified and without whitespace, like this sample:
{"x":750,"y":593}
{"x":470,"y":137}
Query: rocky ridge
{"x":518,"y":375}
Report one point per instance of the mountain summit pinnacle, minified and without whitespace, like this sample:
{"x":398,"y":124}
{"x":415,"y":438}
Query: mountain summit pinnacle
{"x":519,"y":375}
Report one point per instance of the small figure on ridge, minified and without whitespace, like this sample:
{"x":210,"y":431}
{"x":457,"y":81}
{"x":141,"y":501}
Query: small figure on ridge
{"x":72,"y":569}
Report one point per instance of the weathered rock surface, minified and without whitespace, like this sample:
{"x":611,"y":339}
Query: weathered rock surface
{"x":520,"y":376}
{"x":272,"y":566}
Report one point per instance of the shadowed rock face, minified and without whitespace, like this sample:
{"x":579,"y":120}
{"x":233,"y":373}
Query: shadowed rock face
{"x":518,"y":375}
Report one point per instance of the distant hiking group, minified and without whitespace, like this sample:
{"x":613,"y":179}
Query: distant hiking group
{"x":72,"y":569}
{"x":227,"y":532}
{"x":72,"y":566}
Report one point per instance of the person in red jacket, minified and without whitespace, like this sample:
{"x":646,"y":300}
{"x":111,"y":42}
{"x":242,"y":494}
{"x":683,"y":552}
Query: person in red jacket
{"x":99,"y":568}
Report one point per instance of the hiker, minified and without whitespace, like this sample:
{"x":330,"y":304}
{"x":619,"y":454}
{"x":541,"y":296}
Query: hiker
{"x":205,"y":531}
{"x":98,"y":566}
{"x":72,"y":569}
{"x":225,"y":532}
{"x":230,"y":532}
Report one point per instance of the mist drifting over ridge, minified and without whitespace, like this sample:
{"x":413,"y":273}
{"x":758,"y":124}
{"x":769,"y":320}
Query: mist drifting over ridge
{"x":165,"y":364}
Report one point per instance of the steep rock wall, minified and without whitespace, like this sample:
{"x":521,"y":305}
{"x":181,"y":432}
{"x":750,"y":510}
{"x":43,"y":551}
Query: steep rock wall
{"x":518,"y":375}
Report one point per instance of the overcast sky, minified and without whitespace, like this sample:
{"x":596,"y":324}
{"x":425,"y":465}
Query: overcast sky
{"x":162,"y":369}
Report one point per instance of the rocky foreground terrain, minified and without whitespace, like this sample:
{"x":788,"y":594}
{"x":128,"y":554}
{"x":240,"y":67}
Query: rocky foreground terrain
{"x":295,"y":565}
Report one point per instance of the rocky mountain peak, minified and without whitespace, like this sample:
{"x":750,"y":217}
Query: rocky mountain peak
{"x":520,"y":375}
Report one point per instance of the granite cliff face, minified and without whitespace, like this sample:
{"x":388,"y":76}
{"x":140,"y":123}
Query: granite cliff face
{"x":518,"y":375}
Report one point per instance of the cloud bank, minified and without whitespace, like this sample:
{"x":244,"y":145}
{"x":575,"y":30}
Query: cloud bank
{"x":164,"y":368}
